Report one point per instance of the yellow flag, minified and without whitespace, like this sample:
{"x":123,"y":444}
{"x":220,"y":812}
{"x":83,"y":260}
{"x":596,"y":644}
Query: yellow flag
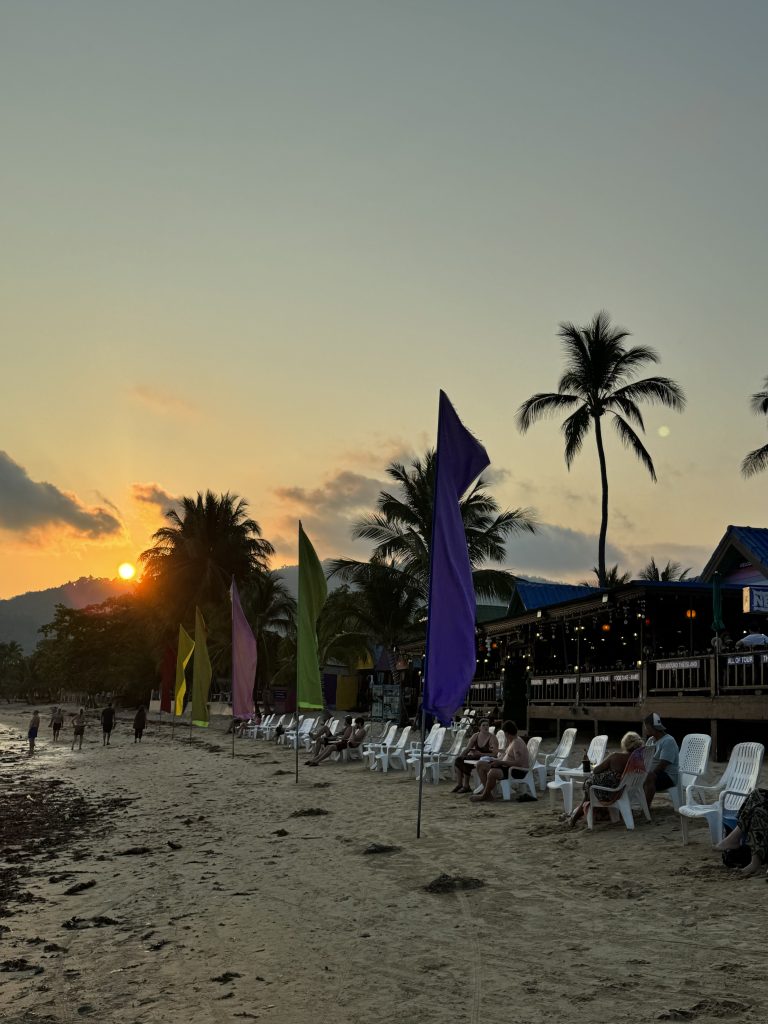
{"x":185,"y":648}
{"x":201,"y":673}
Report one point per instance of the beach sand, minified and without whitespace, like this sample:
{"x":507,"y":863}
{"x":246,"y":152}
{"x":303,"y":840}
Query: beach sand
{"x":263,"y":915}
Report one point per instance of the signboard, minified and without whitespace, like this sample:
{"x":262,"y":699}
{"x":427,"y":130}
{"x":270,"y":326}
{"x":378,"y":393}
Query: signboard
{"x":385,"y":701}
{"x":626,"y":677}
{"x":740,"y":659}
{"x":667,"y":666}
{"x":755,"y":600}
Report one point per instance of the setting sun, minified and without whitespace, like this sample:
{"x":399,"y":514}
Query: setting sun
{"x":127,"y":571}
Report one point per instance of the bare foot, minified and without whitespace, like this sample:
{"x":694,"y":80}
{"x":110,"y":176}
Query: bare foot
{"x":751,"y":869}
{"x":732,"y":841}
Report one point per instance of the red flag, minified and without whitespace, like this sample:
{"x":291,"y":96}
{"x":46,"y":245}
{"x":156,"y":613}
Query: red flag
{"x":167,"y":678}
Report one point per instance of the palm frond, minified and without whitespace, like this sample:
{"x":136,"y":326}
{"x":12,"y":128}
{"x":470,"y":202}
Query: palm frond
{"x":755,"y":462}
{"x":575,"y":428}
{"x":631,"y":441}
{"x":758,"y":403}
{"x":539,"y":406}
{"x":657,"y":390}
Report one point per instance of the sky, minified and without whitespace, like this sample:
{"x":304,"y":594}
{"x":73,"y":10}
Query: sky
{"x":245,"y":243}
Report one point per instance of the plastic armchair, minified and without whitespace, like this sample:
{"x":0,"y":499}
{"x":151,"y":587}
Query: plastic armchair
{"x":556,"y":759}
{"x":370,"y":750}
{"x":395,"y":754}
{"x":528,"y":780}
{"x":432,"y":745}
{"x":730,"y":791}
{"x":694,"y":755}
{"x":565,"y":777}
{"x":631,"y":790}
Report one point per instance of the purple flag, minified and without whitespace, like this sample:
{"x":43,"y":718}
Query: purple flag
{"x":451,"y":658}
{"x":243,"y":659}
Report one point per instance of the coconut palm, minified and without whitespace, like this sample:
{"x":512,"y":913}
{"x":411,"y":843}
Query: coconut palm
{"x":757,"y":460}
{"x":401,"y":529}
{"x":672,"y":572}
{"x":207,"y":541}
{"x":271,"y":611}
{"x":613,"y":578}
{"x":599,"y":380}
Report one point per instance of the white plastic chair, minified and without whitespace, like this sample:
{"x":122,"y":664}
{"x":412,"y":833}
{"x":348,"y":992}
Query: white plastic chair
{"x":370,"y":750}
{"x":268,"y":728}
{"x":564,"y":777}
{"x":392,"y":756}
{"x":694,"y":755}
{"x":439,"y":761}
{"x":735,"y":784}
{"x":556,"y":759}
{"x":631,"y":790}
{"x":432,"y":745}
{"x":528,"y":780}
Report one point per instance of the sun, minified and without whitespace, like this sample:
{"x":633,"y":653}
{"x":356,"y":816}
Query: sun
{"x":127,"y":571}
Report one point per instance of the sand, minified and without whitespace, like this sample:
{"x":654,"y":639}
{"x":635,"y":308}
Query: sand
{"x":255,"y":913}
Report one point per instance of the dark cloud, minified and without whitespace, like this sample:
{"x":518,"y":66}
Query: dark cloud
{"x":344,"y":492}
{"x":153,"y":494}
{"x":557,"y":552}
{"x":26,"y":504}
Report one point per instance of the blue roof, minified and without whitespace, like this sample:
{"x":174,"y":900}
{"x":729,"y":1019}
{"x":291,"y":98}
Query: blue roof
{"x":529,"y":596}
{"x":750,"y":541}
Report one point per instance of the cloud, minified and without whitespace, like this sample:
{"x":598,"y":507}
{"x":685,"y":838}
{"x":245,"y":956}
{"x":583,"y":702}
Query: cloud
{"x":153,"y":494}
{"x":328,"y":512}
{"x":344,"y":492}
{"x":496,"y":475}
{"x":558,"y":552}
{"x":163,"y":402}
{"x":26,"y":504}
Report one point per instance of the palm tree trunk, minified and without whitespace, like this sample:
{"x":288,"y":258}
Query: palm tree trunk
{"x":604,"y":508}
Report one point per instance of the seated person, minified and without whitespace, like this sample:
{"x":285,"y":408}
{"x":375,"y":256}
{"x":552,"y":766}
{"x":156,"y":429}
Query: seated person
{"x":752,"y":823}
{"x":608,"y":773}
{"x":663,"y":771}
{"x":513,"y":762}
{"x":355,"y":739}
{"x":323,"y":735}
{"x":482,"y":744}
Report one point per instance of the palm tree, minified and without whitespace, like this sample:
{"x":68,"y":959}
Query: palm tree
{"x":672,"y":572}
{"x":271,"y":611}
{"x":613,"y":578}
{"x":599,"y":380}
{"x":757,"y":460}
{"x":401,"y":529}
{"x":208,"y":540}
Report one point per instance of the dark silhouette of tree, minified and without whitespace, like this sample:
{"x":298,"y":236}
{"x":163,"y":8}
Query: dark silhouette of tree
{"x":757,"y":460}
{"x":401,"y":529}
{"x":599,"y":380}
{"x":672,"y":572}
{"x":612,"y":578}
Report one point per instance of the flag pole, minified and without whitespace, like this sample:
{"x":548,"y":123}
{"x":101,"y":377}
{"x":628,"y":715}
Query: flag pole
{"x":296,"y":736}
{"x":421,"y":766}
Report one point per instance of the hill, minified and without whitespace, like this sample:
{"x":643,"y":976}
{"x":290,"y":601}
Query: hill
{"x":21,"y":617}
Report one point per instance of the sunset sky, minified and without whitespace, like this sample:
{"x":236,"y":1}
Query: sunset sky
{"x":245,"y":243}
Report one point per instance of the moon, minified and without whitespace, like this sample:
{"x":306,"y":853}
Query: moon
{"x":663,"y":431}
{"x":126,"y":571}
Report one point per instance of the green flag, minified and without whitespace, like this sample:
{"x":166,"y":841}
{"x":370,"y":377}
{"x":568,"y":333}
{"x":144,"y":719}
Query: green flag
{"x":201,"y":673}
{"x":313,"y":591}
{"x":184,"y":653}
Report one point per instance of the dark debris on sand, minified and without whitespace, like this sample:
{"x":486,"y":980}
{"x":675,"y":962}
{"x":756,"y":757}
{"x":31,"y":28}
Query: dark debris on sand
{"x":453,"y":883}
{"x":381,"y":848}
{"x":40,"y":817}
{"x":309,"y":812}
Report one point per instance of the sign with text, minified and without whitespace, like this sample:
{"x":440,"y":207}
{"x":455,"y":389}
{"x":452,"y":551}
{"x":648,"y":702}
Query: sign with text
{"x":670,"y":666}
{"x":755,"y":600}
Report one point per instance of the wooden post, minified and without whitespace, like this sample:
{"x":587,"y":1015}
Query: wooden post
{"x":713,"y":733}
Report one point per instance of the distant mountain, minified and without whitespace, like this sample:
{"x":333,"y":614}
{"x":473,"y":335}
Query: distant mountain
{"x":21,"y":617}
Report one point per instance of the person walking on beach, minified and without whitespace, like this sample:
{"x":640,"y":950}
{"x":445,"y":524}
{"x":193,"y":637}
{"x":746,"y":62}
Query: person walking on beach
{"x":34,"y":725}
{"x":78,"y":724}
{"x":139,"y":724}
{"x":107,"y":724}
{"x":56,"y":722}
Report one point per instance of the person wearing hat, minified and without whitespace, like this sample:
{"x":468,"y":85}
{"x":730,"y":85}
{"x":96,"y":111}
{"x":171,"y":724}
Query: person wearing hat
{"x":663,"y":772}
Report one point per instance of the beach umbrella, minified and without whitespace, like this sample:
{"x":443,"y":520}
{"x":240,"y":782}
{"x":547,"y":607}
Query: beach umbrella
{"x":753,"y":640}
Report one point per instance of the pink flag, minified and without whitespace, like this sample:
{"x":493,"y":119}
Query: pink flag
{"x":243,"y":659}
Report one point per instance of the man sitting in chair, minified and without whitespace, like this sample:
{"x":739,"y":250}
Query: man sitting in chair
{"x":513,"y":762}
{"x":357,"y":735}
{"x":323,"y":735}
{"x":666,"y":757}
